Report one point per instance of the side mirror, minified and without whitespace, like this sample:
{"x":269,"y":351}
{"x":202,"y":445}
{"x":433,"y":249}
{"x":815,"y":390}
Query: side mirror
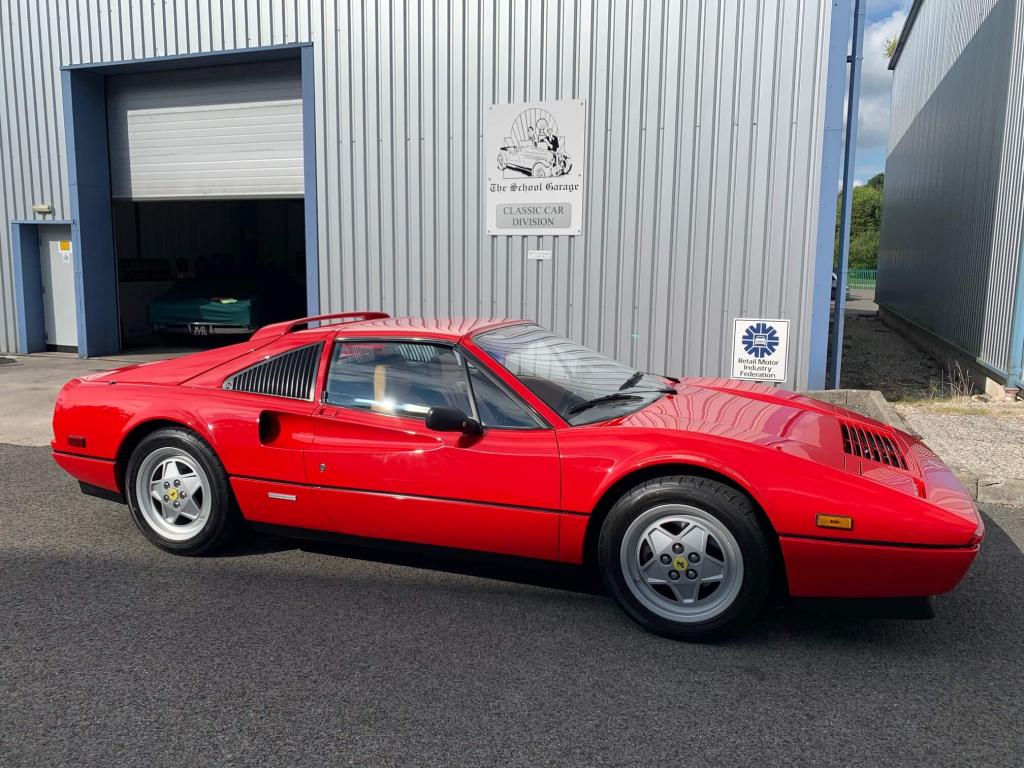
{"x":444,"y":419}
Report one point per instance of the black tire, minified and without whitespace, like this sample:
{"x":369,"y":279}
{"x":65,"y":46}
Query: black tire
{"x":713,"y":500}
{"x":222,"y":521}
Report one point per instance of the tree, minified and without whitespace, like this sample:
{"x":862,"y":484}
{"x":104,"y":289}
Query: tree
{"x":865,"y":224}
{"x":890,"y":46}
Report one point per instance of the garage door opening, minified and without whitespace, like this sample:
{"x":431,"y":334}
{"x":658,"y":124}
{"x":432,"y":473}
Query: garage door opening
{"x":207,"y":272}
{"x":207,"y":186}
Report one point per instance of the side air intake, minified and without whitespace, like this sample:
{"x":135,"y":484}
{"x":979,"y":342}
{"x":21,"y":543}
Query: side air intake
{"x":872,"y":445}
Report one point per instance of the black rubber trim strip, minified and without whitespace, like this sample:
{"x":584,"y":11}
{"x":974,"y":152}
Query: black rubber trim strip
{"x":866,"y":542}
{"x":100,"y":493}
{"x":413,"y":496}
{"x":412,"y":548}
{"x":82,"y":456}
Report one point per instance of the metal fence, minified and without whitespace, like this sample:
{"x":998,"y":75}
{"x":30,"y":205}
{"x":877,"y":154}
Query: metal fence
{"x":861,"y":278}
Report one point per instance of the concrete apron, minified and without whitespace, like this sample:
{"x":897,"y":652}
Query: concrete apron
{"x":985,"y":489}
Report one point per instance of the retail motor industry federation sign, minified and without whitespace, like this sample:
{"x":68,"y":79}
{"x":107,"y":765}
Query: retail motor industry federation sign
{"x":533,"y":167}
{"x":760,"y":349}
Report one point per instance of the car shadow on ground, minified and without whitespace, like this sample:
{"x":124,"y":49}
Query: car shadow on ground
{"x":807,"y":614}
{"x":537,"y":573}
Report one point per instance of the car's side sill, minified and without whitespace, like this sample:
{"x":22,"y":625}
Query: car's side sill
{"x":100,"y":493}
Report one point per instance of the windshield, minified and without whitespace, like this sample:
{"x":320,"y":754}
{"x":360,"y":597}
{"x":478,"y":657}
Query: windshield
{"x":569,"y":377}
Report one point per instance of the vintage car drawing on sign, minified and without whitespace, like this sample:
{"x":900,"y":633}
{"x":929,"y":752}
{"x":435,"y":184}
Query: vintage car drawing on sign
{"x":534,"y":147}
{"x":525,"y":158}
{"x":694,"y":499}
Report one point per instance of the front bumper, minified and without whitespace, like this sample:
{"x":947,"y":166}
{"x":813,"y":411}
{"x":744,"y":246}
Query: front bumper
{"x":829,"y":568}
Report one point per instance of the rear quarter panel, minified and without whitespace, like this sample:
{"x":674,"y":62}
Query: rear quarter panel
{"x":105,"y":415}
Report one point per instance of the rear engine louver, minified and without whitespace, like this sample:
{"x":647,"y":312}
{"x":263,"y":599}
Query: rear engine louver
{"x":290,"y":374}
{"x":872,"y":445}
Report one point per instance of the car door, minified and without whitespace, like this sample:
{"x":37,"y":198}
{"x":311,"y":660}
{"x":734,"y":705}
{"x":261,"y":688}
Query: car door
{"x":262,"y":420}
{"x":382,"y":473}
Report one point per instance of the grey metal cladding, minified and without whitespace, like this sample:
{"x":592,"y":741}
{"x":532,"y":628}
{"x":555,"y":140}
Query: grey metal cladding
{"x":704,"y":143}
{"x":954,"y":201}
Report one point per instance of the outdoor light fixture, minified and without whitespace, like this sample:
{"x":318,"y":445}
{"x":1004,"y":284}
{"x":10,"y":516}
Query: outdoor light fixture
{"x":42,"y":208}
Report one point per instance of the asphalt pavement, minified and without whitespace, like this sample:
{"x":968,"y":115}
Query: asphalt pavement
{"x":280,"y":653}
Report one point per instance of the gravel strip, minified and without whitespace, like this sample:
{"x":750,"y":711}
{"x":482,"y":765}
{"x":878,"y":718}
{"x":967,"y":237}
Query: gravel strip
{"x":876,"y":357}
{"x":985,"y":441}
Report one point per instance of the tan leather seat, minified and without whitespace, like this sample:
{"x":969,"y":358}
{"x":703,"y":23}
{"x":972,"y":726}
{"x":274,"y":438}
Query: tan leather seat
{"x":389,"y":393}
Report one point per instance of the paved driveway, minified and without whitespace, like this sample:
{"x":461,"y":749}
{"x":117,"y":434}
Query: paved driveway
{"x":116,"y":654}
{"x":29,"y":385}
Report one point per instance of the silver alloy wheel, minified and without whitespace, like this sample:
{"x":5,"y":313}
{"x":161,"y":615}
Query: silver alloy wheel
{"x":681,"y":563}
{"x":173,"y":493}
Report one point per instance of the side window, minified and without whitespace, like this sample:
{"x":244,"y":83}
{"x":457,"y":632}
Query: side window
{"x":398,"y":379}
{"x":495,"y":407}
{"x":289,"y":374}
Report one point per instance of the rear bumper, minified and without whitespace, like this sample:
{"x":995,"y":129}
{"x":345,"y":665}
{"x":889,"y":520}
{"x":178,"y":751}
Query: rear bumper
{"x":100,"y":473}
{"x":820,"y":568}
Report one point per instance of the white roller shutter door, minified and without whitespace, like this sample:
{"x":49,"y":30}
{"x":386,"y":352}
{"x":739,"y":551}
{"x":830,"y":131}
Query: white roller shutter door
{"x":212,"y":132}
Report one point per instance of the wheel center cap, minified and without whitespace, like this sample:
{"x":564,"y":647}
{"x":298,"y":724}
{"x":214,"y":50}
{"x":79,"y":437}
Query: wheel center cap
{"x":173,"y":493}
{"x":680,"y":563}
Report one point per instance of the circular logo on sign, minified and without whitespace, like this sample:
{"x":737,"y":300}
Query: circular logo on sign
{"x":760,"y":340}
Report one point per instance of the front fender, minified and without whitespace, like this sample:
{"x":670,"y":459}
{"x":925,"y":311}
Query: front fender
{"x":791,"y":489}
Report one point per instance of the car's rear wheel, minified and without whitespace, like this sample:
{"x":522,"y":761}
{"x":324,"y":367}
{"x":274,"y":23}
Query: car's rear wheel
{"x":686,"y":557}
{"x":178,"y":493}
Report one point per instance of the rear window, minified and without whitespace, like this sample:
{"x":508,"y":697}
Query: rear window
{"x":291,"y":374}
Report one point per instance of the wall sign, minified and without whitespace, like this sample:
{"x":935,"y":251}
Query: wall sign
{"x":760,"y":349}
{"x":534,"y":168}
{"x":64,"y":247}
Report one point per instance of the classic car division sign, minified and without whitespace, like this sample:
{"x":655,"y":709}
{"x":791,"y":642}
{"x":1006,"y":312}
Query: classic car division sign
{"x":534,"y":168}
{"x":760,"y":349}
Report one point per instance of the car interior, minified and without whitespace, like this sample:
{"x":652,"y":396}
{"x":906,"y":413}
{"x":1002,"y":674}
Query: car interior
{"x":396,"y":379}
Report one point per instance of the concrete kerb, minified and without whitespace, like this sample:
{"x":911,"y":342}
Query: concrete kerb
{"x":985,"y":489}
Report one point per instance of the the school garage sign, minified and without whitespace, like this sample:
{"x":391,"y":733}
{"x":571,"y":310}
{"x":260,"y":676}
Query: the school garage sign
{"x":534,"y":168}
{"x":760,"y":349}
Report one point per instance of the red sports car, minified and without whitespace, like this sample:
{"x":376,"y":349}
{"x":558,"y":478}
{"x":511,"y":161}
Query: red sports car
{"x":692,"y":496}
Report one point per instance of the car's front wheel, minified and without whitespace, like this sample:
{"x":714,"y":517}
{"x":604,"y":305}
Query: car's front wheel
{"x":178,"y":493}
{"x":686,"y":557}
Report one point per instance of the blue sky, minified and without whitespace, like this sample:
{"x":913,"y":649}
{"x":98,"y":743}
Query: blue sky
{"x":884,"y":21}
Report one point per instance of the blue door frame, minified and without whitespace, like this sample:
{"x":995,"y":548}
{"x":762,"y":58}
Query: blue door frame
{"x":831,"y":167}
{"x":85,"y":129}
{"x":28,"y":283}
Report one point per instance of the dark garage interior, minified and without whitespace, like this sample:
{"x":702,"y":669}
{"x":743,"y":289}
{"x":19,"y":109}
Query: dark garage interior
{"x":207,"y":272}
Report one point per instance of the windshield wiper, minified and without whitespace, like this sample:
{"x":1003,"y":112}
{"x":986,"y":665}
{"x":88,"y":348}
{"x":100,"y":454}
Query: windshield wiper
{"x":632,"y":381}
{"x":633,"y":395}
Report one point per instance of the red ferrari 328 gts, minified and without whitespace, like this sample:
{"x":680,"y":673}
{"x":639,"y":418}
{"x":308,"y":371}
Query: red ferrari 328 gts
{"x":692,"y":496}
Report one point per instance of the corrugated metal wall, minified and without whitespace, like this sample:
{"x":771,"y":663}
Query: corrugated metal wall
{"x":704,"y":151}
{"x":954,"y":198}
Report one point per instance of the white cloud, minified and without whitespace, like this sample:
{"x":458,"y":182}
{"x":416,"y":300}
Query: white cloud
{"x":876,"y":82}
